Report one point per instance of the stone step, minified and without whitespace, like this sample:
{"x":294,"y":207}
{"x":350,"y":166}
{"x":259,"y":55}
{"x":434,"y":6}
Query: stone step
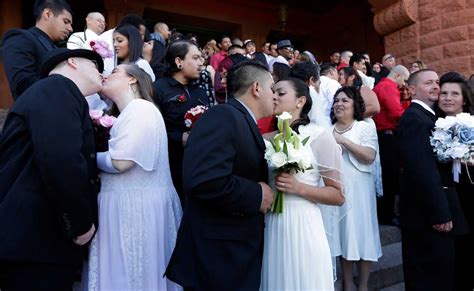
{"x":397,"y":287}
{"x":389,"y":234}
{"x":386,"y":272}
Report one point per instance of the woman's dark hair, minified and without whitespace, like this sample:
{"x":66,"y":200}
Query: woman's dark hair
{"x":280,"y":71}
{"x":135,"y":42}
{"x":156,"y":61}
{"x":359,"y":104}
{"x":304,"y":71}
{"x":350,"y":71}
{"x":457,"y":78}
{"x":176,"y":49}
{"x":301,"y":89}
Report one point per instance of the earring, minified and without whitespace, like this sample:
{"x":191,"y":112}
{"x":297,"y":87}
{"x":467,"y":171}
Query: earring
{"x":180,"y":66}
{"x":131,"y":92}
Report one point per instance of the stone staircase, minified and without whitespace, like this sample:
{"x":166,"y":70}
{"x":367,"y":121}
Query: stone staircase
{"x":387,"y":273}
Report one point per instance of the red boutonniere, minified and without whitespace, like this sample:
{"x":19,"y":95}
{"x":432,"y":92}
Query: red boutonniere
{"x":182,"y":98}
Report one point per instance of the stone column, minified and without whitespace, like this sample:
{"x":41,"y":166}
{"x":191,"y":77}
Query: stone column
{"x":437,"y":32}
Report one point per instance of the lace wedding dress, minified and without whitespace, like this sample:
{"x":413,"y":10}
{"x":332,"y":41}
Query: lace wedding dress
{"x":296,"y":253}
{"x":139,"y":210}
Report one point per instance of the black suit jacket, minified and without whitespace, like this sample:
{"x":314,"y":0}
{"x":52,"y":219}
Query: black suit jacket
{"x":427,"y":194}
{"x":220,"y":240}
{"x":48,"y":176}
{"x":22,"y":53}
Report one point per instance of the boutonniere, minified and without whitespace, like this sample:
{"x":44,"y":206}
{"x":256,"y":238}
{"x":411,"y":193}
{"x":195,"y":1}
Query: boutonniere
{"x":182,"y":98}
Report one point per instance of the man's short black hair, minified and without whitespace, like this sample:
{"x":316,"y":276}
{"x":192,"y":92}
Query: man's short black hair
{"x":57,"y":6}
{"x":242,"y":75}
{"x":132,"y":19}
{"x":356,"y":58}
{"x":326,"y":69}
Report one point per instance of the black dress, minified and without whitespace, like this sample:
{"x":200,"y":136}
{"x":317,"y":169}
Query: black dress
{"x":465,"y":243}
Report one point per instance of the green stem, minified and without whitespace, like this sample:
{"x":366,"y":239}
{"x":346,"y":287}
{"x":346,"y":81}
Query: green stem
{"x":277,"y":206}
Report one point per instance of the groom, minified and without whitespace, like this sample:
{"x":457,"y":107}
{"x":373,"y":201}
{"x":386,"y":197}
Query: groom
{"x":430,"y":212}
{"x":220,"y":240}
{"x":48,"y":176}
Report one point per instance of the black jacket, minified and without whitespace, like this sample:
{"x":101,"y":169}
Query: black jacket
{"x":48,"y":176}
{"x":22,"y":53}
{"x":427,"y":193}
{"x":220,"y":240}
{"x":167,"y":92}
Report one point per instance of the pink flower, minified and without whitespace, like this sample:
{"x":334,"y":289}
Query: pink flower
{"x":101,"y":48}
{"x":107,"y":121}
{"x":95,"y":114}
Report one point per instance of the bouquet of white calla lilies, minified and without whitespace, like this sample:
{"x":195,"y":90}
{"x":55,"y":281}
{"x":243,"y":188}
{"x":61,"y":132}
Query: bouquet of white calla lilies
{"x":286,"y":153}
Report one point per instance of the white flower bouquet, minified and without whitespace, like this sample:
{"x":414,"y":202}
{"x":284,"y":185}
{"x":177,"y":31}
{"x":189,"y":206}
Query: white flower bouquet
{"x":286,"y":153}
{"x":453,"y":140}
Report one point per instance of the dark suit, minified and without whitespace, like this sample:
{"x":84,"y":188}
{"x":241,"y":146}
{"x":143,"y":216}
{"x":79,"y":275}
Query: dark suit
{"x":220,"y":240}
{"x":48,"y":177}
{"x":22,"y":54}
{"x":427,"y":198}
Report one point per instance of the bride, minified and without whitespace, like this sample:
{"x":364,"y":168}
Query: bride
{"x":139,"y":209}
{"x":296,"y":250}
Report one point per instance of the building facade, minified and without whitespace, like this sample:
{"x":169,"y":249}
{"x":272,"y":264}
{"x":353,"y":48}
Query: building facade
{"x":438,"y":32}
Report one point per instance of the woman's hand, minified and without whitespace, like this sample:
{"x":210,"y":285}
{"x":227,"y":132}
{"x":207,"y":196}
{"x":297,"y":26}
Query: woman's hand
{"x":339,"y":138}
{"x":287,"y":183}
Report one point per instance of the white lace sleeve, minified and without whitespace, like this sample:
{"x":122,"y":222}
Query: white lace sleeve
{"x":368,"y":135}
{"x":134,"y":135}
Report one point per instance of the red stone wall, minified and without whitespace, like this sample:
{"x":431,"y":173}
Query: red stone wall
{"x":442,"y":36}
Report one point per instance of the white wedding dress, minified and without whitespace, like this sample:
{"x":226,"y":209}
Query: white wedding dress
{"x":139,"y":210}
{"x":296,"y":251}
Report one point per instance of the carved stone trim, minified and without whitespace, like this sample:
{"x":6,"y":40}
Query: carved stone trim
{"x":396,"y":16}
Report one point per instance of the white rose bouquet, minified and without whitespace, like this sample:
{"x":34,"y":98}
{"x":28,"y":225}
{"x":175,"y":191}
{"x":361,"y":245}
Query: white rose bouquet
{"x":453,"y":140}
{"x":286,"y":153}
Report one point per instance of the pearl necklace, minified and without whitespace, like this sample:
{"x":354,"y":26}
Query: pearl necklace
{"x":344,"y":130}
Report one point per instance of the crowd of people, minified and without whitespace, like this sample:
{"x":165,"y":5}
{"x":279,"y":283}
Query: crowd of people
{"x":167,"y":205}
